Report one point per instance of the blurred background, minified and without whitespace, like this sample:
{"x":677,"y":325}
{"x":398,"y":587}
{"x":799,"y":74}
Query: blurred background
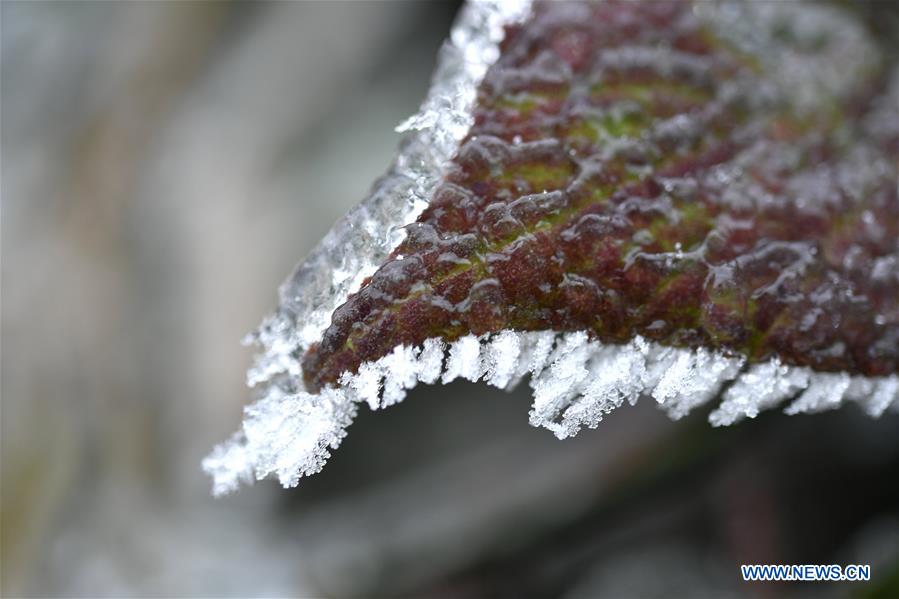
{"x":164,"y":166}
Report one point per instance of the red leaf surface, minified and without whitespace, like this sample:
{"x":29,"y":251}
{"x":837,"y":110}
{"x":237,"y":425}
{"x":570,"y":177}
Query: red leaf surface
{"x":635,"y":168}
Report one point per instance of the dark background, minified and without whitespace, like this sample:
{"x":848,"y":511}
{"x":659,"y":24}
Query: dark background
{"x":164,"y":166}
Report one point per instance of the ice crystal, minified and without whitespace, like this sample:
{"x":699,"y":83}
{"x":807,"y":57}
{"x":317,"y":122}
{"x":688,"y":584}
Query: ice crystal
{"x":288,"y":435}
{"x":612,"y":200}
{"x":576,"y":381}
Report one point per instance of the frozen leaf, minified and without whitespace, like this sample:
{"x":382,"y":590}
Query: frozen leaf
{"x":621,"y":199}
{"x":631,"y":170}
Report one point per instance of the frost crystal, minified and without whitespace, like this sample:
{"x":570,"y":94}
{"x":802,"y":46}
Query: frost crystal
{"x":576,"y":382}
{"x":284,"y":434}
{"x":692,"y":379}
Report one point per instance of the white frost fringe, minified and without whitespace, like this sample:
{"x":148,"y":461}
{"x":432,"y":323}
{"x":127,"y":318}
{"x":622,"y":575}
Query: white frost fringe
{"x":576,"y":381}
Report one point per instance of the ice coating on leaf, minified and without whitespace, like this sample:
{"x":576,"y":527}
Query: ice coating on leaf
{"x":362,"y":239}
{"x":675,"y":200}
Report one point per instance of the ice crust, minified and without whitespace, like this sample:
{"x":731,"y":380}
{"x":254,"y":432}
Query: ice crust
{"x":576,"y":380}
